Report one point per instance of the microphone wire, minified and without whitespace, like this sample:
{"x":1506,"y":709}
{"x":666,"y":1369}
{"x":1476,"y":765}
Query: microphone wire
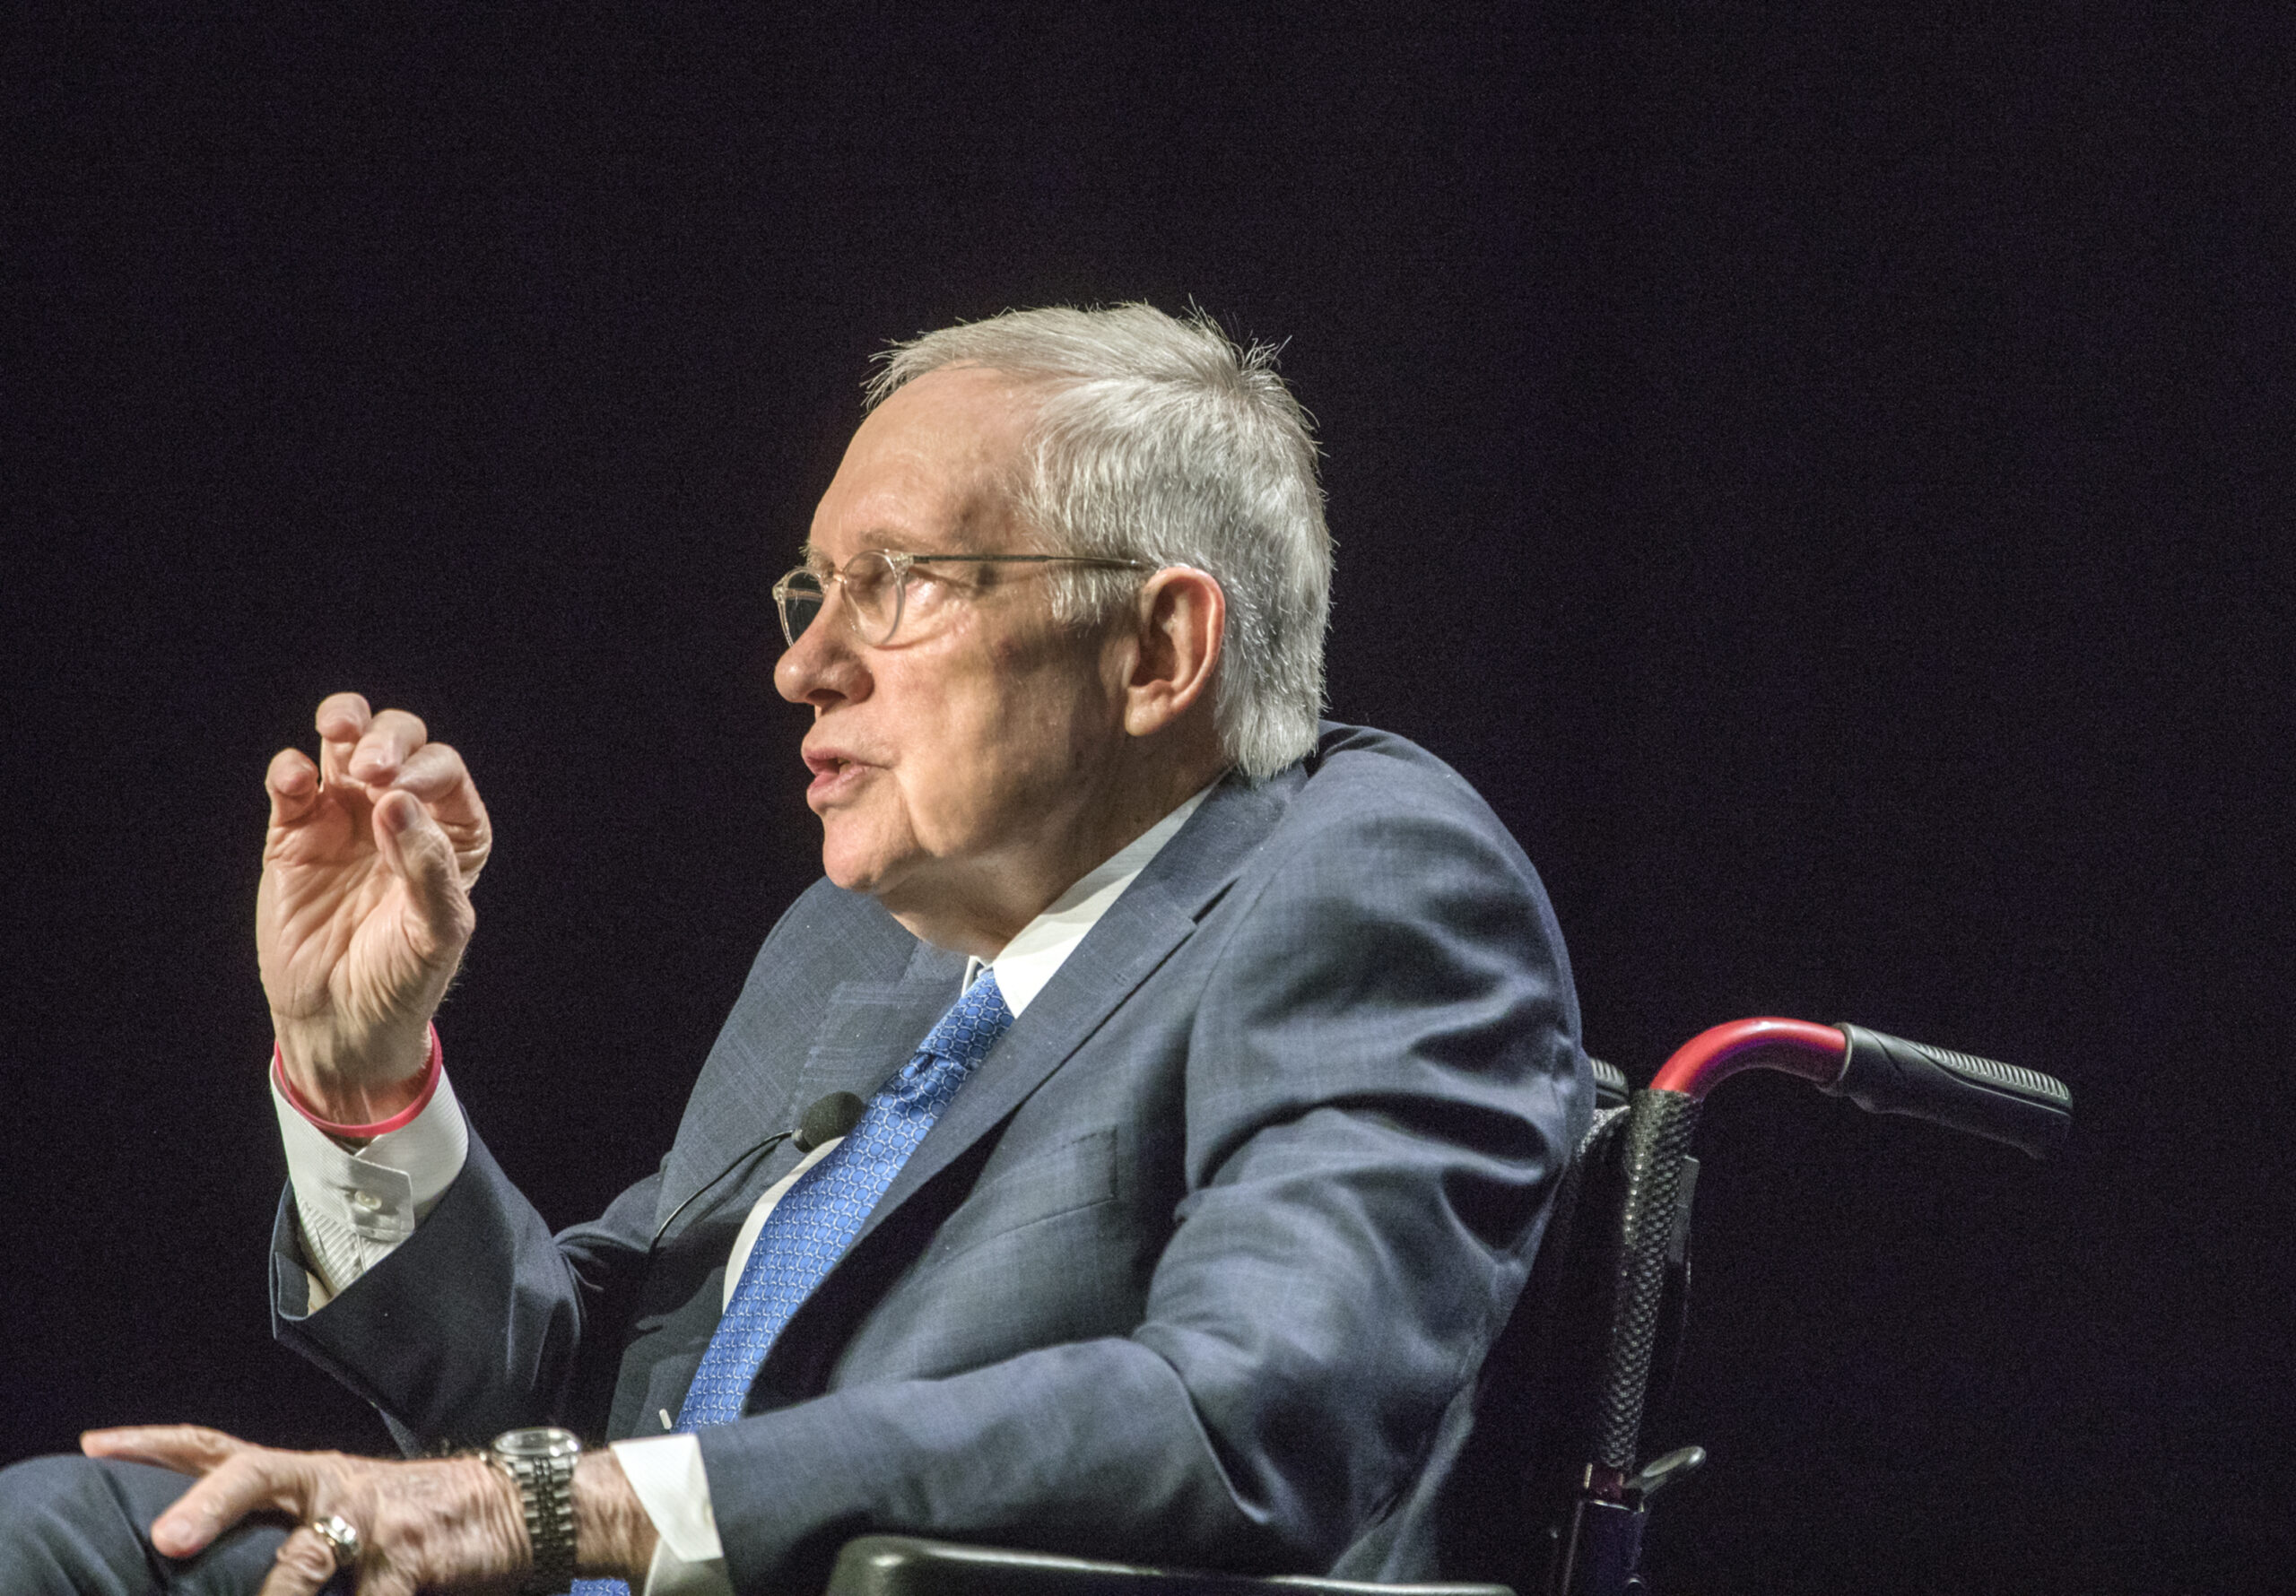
{"x":824,"y":1120}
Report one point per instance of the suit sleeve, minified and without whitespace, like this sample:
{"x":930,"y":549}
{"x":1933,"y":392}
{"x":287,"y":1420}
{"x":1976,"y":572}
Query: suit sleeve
{"x":1382,"y":1081}
{"x":480,"y":1320}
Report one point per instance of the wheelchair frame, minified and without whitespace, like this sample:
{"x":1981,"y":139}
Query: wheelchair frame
{"x":1595,"y":1334}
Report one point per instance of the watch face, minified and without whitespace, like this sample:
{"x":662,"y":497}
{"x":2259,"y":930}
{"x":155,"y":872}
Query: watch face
{"x":546,"y":1442}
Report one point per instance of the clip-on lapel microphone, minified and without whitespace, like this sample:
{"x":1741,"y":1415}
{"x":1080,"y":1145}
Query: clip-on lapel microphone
{"x":828,"y":1119}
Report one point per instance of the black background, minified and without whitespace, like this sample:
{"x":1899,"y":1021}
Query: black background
{"x":1822,"y":476}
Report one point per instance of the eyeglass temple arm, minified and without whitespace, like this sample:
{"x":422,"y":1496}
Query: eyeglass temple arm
{"x":1109,"y":561}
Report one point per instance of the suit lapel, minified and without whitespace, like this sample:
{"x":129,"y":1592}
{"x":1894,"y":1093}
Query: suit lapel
{"x":1139,"y":932}
{"x":870,"y":1024}
{"x":872,"y":1027}
{"x":747,"y":1091}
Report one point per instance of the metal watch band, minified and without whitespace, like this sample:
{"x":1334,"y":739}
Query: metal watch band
{"x":541,"y":1464}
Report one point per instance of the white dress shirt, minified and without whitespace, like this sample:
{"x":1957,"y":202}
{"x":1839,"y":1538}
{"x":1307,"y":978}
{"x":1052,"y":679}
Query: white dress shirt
{"x":355,"y":1207}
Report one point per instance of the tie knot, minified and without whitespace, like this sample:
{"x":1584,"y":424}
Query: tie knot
{"x":973,"y":1024}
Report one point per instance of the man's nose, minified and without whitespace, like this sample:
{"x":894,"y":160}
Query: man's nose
{"x":823,"y":666}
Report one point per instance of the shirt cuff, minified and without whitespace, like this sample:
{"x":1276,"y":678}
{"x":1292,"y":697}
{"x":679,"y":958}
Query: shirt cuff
{"x":352,"y":1209}
{"x":672,"y":1486}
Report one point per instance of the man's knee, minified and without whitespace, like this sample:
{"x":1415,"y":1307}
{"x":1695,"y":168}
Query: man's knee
{"x":73,"y":1524}
{"x":54,"y":1514}
{"x":41,"y":1495}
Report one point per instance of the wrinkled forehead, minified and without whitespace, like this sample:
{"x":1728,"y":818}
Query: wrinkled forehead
{"x":938,"y":466}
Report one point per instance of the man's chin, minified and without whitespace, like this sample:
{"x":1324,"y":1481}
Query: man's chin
{"x":857,"y":864}
{"x":851,"y":875}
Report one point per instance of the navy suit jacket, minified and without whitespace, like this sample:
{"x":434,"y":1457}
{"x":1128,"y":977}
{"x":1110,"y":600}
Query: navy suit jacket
{"x":1200,"y":1266}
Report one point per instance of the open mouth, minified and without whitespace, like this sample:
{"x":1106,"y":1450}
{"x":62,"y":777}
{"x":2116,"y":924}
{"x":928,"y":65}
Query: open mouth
{"x":832,"y":771}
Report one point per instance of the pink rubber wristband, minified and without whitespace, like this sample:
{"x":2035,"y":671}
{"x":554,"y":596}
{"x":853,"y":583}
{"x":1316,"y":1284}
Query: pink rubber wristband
{"x":381,"y":1127}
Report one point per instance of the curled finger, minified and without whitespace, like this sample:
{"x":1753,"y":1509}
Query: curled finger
{"x":293,"y":782}
{"x":390,"y":739}
{"x":342,"y":720}
{"x":342,"y":717}
{"x":306,"y":1560}
{"x":431,"y":773}
{"x":435,"y":773}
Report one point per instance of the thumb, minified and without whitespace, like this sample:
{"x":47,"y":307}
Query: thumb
{"x":417,"y":851}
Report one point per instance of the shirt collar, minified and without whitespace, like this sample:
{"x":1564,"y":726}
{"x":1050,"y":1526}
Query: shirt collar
{"x":1033,"y":957}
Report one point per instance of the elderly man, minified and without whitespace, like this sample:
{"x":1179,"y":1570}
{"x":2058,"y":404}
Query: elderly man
{"x":1218,"y":1071}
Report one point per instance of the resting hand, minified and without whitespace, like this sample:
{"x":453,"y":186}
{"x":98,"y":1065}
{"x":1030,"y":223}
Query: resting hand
{"x":364,"y":907}
{"x":445,"y":1523}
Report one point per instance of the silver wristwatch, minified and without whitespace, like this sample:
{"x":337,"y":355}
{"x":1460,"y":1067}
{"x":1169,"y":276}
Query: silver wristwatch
{"x":541,"y":1463}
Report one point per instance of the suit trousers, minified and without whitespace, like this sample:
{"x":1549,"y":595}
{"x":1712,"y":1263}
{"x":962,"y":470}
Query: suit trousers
{"x":76,"y":1526}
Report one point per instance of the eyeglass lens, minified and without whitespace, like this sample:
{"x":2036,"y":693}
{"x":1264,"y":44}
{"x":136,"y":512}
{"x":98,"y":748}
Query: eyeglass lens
{"x":872,"y":588}
{"x":798,"y":596}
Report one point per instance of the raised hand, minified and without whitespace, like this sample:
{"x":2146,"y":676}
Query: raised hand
{"x":365,"y":909}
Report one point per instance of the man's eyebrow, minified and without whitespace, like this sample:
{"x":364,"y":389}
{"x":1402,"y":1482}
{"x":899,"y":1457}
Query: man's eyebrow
{"x":816,"y":558}
{"x":811,"y":553}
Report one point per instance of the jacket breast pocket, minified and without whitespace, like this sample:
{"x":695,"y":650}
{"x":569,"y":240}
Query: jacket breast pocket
{"x":1042,"y":1250}
{"x":1080,"y":1173}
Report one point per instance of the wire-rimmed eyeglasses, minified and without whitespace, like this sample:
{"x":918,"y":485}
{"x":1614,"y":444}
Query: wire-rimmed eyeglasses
{"x":876,"y":587}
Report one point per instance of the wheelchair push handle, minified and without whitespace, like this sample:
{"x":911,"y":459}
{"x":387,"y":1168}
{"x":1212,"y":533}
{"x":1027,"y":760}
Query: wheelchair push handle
{"x":1886,"y":1074}
{"x":1883,"y":1074}
{"x":1987,"y":1098}
{"x":1649,"y":1159}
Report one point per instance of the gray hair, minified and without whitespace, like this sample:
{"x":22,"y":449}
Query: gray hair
{"x":1163,"y":440}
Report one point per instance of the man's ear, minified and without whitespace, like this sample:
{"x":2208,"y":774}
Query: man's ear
{"x":1183,"y":622}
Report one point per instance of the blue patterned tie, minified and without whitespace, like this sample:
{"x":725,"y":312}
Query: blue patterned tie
{"x":817,"y":1218}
